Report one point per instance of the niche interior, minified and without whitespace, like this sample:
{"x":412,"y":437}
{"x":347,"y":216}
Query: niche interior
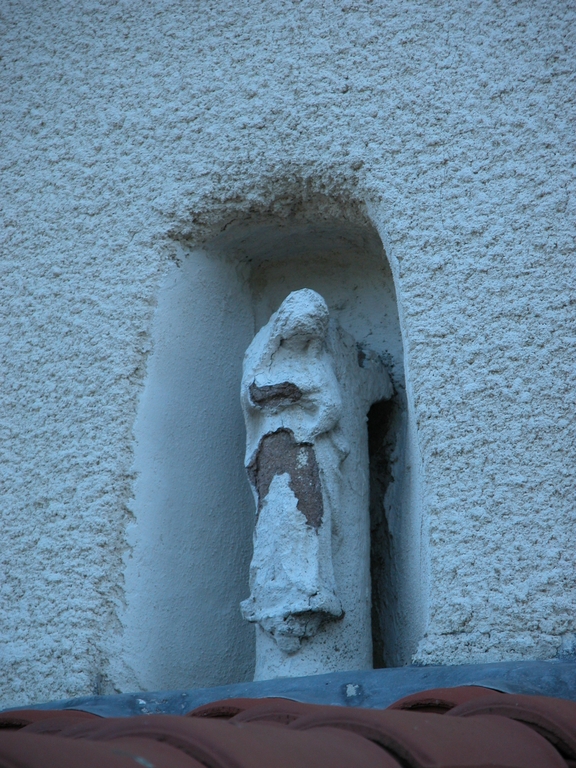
{"x":194,"y":512}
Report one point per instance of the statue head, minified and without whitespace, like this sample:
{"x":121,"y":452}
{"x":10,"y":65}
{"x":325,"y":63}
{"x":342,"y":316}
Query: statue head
{"x":302,"y":317}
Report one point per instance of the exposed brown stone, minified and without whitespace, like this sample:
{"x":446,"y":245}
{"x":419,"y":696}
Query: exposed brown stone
{"x":283,"y":393}
{"x":278,"y":453}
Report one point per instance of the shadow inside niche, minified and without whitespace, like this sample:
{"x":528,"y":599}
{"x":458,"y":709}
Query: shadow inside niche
{"x":383,"y":422}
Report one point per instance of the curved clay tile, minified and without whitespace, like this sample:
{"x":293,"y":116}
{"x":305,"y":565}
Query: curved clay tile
{"x":432,"y":740}
{"x":278,"y":712}
{"x":494,"y":729}
{"x":227,"y":708}
{"x":58,"y":723}
{"x":223,"y":745}
{"x":147,"y":752}
{"x":555,"y":719}
{"x":440,"y":700}
{"x":29,"y":750}
{"x":20,"y":718}
{"x":83,"y":729}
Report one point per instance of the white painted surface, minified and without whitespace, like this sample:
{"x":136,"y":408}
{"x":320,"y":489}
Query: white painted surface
{"x":125,"y":126}
{"x":292,"y":587}
{"x":318,"y":623}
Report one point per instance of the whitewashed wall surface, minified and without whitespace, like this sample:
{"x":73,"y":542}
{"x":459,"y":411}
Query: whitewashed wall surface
{"x":171,"y":170}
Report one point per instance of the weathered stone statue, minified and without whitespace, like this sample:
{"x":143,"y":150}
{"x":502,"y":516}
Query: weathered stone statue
{"x":306,"y":390}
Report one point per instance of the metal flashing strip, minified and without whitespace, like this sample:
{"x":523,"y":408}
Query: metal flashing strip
{"x":373,"y":689}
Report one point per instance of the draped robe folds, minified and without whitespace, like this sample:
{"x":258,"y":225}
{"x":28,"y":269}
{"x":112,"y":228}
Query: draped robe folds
{"x":293,"y":402}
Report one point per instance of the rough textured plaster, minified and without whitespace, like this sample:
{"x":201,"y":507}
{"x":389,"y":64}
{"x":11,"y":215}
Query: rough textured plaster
{"x":123,"y":121}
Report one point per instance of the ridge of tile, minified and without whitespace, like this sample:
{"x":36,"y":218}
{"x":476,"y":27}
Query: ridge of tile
{"x":21,"y":718}
{"x":441,"y":700}
{"x":470,"y":727}
{"x":428,"y":740}
{"x":554,"y":719}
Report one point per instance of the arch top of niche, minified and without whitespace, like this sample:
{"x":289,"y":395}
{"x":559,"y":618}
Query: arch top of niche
{"x":259,"y":238}
{"x":324,"y":245}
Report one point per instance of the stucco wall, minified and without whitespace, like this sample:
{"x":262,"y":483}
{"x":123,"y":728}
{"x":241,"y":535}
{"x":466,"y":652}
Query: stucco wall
{"x":129,"y":125}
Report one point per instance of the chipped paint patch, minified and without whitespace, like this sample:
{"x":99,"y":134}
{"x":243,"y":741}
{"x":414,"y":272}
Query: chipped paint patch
{"x":279,"y":453}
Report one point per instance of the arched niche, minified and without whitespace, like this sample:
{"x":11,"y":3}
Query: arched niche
{"x":193,"y":509}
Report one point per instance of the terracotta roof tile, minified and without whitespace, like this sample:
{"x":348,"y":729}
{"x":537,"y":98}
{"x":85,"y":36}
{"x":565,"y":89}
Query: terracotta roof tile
{"x":21,"y":718}
{"x":424,"y":740}
{"x":151,"y":753}
{"x":59,"y":722}
{"x":554,"y":719}
{"x":228,"y":708}
{"x":223,"y":745}
{"x":278,"y":711}
{"x":477,"y":728}
{"x":29,"y":750}
{"x":441,"y":700}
